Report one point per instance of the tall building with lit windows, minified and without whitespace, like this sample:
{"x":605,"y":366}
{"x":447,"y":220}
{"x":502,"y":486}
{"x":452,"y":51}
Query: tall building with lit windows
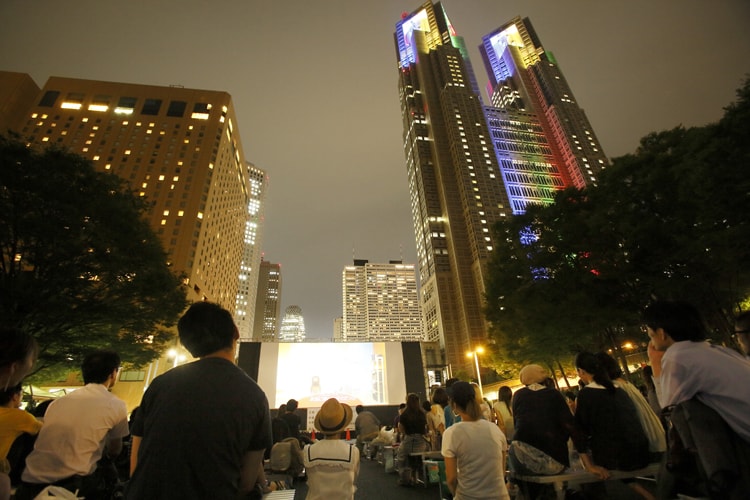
{"x":292,"y":325}
{"x":268,"y":303}
{"x":178,"y":148}
{"x":380,"y":303}
{"x":471,"y":163}
{"x":247,"y":289}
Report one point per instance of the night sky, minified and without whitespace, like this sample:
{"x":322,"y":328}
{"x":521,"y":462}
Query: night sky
{"x":314,"y":84}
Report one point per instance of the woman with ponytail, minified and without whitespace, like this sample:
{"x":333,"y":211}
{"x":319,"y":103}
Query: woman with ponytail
{"x":473,"y":450}
{"x":611,"y":435}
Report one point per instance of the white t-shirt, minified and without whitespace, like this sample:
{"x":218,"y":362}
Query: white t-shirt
{"x":76,"y":429}
{"x":478,"y":448}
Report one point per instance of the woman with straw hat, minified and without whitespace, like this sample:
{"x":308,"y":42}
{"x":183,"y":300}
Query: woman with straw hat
{"x":332,"y":464}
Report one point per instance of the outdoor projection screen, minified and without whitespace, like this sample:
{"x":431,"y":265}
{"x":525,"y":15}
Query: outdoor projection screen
{"x":368,"y":373}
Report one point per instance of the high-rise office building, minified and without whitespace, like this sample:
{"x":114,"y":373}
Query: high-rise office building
{"x":293,"y":325}
{"x":470,"y":165}
{"x":17,"y":94}
{"x":178,"y":148}
{"x":247,"y":290}
{"x":380,"y":302}
{"x":268,"y":303}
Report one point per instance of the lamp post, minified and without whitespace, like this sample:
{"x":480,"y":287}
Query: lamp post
{"x":475,"y":352}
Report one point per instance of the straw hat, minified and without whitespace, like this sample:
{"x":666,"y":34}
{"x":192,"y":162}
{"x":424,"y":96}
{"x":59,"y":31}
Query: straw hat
{"x":532,"y":374}
{"x":333,"y":417}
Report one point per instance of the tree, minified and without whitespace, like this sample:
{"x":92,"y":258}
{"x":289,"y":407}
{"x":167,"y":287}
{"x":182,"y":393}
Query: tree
{"x":81,"y":268}
{"x":668,"y":221}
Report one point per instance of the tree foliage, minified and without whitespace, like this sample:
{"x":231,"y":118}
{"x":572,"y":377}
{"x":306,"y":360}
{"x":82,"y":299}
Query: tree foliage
{"x":669,"y":221}
{"x":81,"y":268}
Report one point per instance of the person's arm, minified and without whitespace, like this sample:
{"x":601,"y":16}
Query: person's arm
{"x":135,"y":443}
{"x":251,"y":462}
{"x":451,"y":473}
{"x":590,"y":466}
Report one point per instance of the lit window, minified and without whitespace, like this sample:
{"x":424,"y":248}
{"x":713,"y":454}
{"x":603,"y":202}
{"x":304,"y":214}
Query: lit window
{"x":200,"y":215}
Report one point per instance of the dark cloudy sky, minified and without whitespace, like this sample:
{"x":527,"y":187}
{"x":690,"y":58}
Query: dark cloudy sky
{"x":314,"y":85}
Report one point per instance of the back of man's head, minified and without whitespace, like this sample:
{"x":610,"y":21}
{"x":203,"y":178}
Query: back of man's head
{"x":97,"y":366}
{"x":291,"y":405}
{"x":206,"y":328}
{"x":680,"y":320}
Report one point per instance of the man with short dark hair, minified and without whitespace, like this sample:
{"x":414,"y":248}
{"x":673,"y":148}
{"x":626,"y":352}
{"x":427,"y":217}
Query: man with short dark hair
{"x":685,"y":366}
{"x":292,"y":420}
{"x":79,"y":428}
{"x":202,"y":427}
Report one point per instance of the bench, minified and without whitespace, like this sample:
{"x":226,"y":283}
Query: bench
{"x":582,"y":477}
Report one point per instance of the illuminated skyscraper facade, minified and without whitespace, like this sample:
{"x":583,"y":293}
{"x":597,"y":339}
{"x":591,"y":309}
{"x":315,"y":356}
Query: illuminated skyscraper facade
{"x":293,"y":325}
{"x":178,"y":148}
{"x":247,"y":289}
{"x":380,"y":303}
{"x":268,"y":303}
{"x":470,"y":164}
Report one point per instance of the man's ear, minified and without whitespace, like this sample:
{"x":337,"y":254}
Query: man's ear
{"x":236,"y":333}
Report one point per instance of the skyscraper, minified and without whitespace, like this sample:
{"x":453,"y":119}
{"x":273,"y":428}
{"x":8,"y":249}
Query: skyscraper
{"x":293,"y":325}
{"x":470,"y":165}
{"x":179,"y":149}
{"x":268,"y":303}
{"x":247,"y":290}
{"x":380,"y":302}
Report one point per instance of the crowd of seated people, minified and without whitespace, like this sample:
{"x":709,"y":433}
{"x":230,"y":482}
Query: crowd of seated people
{"x":608,"y":424}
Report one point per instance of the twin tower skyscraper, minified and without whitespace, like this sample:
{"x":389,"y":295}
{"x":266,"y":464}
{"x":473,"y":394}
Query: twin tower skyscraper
{"x":471,"y":164}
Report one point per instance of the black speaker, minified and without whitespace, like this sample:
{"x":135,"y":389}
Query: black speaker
{"x":413,"y":369}
{"x":249,"y":358}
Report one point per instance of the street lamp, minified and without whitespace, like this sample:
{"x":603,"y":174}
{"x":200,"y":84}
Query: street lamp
{"x":478,"y":350}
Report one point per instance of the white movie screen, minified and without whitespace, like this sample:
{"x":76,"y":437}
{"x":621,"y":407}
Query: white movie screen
{"x":354,"y":373}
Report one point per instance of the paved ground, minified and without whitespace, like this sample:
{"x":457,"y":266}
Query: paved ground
{"x":375,"y":484}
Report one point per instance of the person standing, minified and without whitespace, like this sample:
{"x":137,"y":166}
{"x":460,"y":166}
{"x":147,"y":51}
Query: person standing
{"x":473,"y":451}
{"x":79,"y":429}
{"x":332,"y":464}
{"x":202,"y":428}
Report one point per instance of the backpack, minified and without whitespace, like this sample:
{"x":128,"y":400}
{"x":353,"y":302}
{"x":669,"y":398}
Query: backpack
{"x":286,"y":456}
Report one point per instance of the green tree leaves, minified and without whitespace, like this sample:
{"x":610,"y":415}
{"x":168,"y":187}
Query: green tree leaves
{"x":671,"y":220}
{"x":81,"y":268}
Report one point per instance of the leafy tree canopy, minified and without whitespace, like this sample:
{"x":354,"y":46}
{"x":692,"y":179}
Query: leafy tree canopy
{"x":81,"y":268}
{"x":668,"y":221}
